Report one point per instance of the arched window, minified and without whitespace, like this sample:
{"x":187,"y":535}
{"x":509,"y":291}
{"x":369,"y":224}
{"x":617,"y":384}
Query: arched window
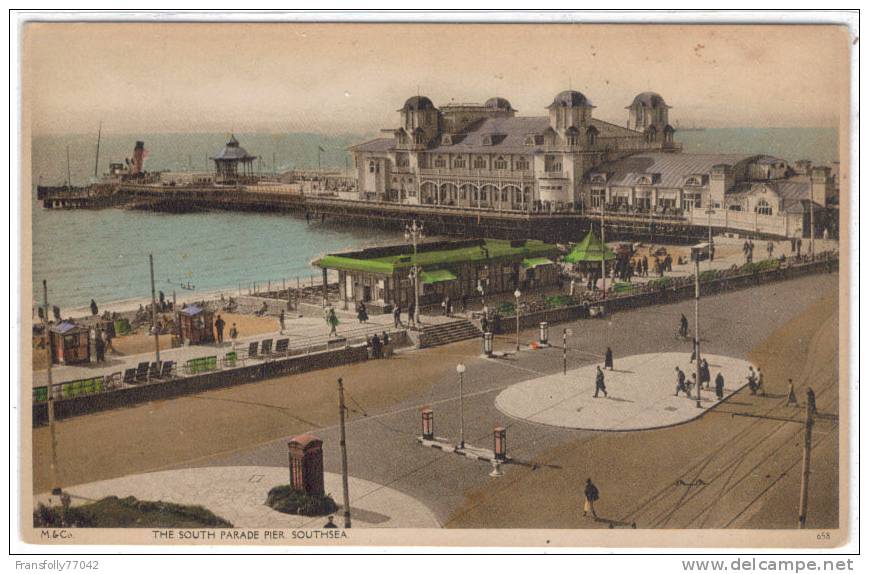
{"x":763,"y":207}
{"x":440,"y":162}
{"x":371,"y":165}
{"x":459,"y":162}
{"x":522,"y":164}
{"x":591,"y":136}
{"x":479,"y":162}
{"x":500,"y":163}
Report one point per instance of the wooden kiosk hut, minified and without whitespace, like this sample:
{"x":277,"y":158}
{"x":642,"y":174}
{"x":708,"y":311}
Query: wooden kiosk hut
{"x":70,"y":343}
{"x":197,"y":325}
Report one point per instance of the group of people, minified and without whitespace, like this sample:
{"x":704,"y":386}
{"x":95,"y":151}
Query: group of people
{"x":379,"y":346}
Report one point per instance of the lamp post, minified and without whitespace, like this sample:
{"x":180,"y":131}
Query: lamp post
{"x":709,"y":212}
{"x":460,"y":369}
{"x":696,"y":253}
{"x":414,"y":233}
{"x":517,"y":294}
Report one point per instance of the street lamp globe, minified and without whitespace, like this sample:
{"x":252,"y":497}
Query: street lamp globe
{"x":517,"y":293}
{"x":460,"y":368}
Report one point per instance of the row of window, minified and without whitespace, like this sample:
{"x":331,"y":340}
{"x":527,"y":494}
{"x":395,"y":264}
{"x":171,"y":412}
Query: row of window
{"x":500,"y":163}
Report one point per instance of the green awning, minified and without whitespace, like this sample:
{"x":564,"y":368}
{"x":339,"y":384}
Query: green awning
{"x":589,"y":249}
{"x":436,"y":276}
{"x":534,"y":262}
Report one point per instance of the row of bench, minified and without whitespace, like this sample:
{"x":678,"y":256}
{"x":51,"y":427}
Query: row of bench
{"x":154,"y":371}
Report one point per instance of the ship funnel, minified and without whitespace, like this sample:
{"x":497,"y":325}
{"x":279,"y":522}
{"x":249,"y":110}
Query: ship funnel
{"x":138,"y":164}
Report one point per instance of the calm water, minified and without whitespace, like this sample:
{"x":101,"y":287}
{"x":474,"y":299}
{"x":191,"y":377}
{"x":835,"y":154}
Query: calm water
{"x":104,"y":254}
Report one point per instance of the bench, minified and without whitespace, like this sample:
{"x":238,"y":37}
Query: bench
{"x":252,"y":349}
{"x":282,"y":346}
{"x":154,"y":370}
{"x":230,"y":359}
{"x":130,"y":376}
{"x":142,"y":372}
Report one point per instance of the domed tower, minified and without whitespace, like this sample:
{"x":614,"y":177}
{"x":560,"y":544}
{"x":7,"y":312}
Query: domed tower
{"x":500,"y":107}
{"x":569,"y":118}
{"x":648,"y":110}
{"x":420,"y":119}
{"x":570,"y":114}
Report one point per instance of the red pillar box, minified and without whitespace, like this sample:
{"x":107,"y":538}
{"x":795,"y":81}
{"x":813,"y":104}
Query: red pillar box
{"x":500,"y":443}
{"x":306,"y":464}
{"x":427,"y":424}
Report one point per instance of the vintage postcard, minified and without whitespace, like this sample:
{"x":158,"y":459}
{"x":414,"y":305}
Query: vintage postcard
{"x":538,"y":284}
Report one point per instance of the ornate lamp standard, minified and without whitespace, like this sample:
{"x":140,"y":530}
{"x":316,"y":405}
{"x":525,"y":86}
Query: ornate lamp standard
{"x":414,"y":233}
{"x":460,"y":369}
{"x":517,"y":294}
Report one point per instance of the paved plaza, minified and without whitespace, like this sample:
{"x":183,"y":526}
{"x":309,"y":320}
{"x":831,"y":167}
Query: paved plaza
{"x":640,"y":394}
{"x":238,"y":494}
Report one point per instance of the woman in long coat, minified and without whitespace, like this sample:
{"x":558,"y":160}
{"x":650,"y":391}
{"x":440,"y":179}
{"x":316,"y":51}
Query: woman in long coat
{"x":608,"y":359}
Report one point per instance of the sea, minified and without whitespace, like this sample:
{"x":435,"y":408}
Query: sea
{"x":103,"y":254}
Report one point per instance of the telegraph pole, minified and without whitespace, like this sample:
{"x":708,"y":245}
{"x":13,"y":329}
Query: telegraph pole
{"x":344,"y":479}
{"x":564,"y":349}
{"x":807,"y":461}
{"x":154,"y":309}
{"x":697,"y":322}
{"x":55,"y":484}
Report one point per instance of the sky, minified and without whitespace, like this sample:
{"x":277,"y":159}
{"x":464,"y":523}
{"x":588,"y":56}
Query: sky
{"x":351,"y":78}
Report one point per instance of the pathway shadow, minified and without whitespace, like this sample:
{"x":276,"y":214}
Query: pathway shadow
{"x":533,"y":465}
{"x":368,"y":516}
{"x":618,"y":400}
{"x":615,"y":523}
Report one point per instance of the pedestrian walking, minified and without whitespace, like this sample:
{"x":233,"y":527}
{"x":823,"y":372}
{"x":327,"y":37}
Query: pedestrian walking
{"x":799,"y":246}
{"x":282,"y":318}
{"x":396,"y":316}
{"x":332,"y":321}
{"x":810,"y":401}
{"x":705,"y":375}
{"x":608,"y":359}
{"x":683,"y":326}
{"x":100,"y":348}
{"x":752,"y":380}
{"x":572,"y":287}
{"x":330,"y":523}
{"x":680,"y":383}
{"x":769,"y":249}
{"x":645,"y":266}
{"x":94,"y":309}
{"x":233,"y":333}
{"x":760,"y":388}
{"x":464,"y":302}
{"x":792,"y":396}
{"x":362,"y":312}
{"x":218,"y":325}
{"x":599,"y":385}
{"x":793,"y":244}
{"x":484,"y":323}
{"x":719,"y":386}
{"x":411,"y":313}
{"x":376,"y":347}
{"x":591,"y":496}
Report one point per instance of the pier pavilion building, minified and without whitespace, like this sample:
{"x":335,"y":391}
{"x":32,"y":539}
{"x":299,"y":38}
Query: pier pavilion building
{"x":485,"y":156}
{"x":757,"y":193}
{"x":233,"y":164}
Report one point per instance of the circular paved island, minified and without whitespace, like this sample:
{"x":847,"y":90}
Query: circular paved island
{"x":641,"y":394}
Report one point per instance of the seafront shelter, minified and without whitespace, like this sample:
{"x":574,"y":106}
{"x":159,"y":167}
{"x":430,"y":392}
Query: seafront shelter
{"x":382,"y":277}
{"x":70,"y":344}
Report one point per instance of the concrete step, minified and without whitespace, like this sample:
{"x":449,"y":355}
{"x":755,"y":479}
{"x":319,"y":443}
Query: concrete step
{"x":445,"y":333}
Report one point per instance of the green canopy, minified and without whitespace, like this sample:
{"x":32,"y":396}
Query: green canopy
{"x":436,"y":276}
{"x":589,"y":249}
{"x":533,"y":262}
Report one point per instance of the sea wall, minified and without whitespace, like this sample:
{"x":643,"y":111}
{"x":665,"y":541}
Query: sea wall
{"x":129,"y":396}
